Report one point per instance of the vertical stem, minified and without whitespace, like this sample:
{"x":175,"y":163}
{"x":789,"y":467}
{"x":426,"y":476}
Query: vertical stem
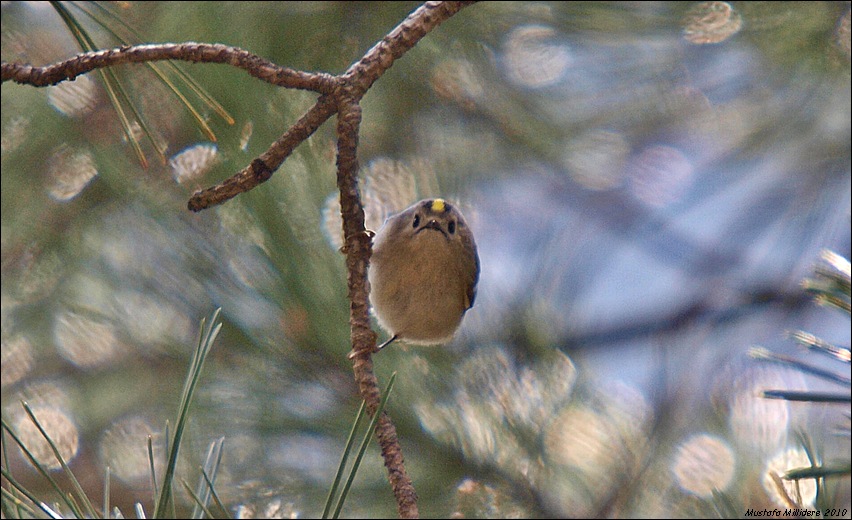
{"x":358,"y":248}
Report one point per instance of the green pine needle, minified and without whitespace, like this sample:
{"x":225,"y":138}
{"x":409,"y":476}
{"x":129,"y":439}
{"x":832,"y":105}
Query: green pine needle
{"x":363,"y":448}
{"x":350,"y":441}
{"x":205,"y":343}
{"x":119,"y":96}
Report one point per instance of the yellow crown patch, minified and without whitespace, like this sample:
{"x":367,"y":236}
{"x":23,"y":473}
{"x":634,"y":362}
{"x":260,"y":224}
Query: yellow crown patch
{"x":439,"y":206}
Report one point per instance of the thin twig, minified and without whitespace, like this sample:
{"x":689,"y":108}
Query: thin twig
{"x":400,"y":40}
{"x":359,"y":77}
{"x":358,"y":248}
{"x":256,"y":66}
{"x":261,"y":169}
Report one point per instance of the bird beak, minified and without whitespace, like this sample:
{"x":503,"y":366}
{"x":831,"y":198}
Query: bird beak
{"x":433,"y":224}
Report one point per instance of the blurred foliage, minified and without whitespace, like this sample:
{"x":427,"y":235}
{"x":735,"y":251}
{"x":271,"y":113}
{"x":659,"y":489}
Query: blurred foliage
{"x":648,"y":183}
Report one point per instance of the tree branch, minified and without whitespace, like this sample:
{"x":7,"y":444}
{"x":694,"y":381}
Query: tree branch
{"x":358,"y":248}
{"x":261,"y":169}
{"x":360,"y":76}
{"x":418,"y":24}
{"x":341,"y":95}
{"x":194,"y":52}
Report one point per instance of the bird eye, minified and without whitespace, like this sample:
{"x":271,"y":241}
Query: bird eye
{"x":451,"y":227}
{"x":416,"y":221}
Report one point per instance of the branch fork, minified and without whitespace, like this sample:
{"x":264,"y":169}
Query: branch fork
{"x":339,"y":94}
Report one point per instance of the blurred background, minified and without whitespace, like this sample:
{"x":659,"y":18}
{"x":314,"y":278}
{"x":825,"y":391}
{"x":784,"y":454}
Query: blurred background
{"x":648,"y":183}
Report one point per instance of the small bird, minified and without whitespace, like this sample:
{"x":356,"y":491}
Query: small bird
{"x":423,"y":273}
